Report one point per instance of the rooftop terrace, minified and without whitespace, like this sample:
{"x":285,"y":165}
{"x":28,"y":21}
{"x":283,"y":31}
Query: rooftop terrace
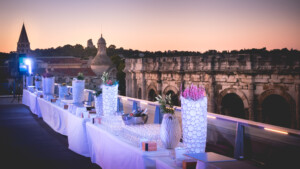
{"x":265,"y":146}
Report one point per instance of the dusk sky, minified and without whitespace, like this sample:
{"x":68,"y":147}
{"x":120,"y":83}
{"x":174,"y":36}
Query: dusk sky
{"x":193,"y":25}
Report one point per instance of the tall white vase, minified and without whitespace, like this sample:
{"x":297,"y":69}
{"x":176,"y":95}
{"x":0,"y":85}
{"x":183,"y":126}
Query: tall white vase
{"x":38,"y":85}
{"x":29,"y":81}
{"x":62,"y":91}
{"x":110,"y":99}
{"x":77,"y":90}
{"x":48,"y":85}
{"x":99,"y":104}
{"x":194,"y":124}
{"x":170,"y":131}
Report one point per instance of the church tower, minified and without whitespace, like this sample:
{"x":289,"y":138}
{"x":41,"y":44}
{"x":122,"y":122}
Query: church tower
{"x":23,"y":43}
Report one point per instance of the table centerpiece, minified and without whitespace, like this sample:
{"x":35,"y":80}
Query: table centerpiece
{"x":110,"y":95}
{"x":48,"y":84}
{"x":98,"y":102}
{"x":38,"y":82}
{"x":62,"y":90}
{"x":170,"y":131}
{"x":29,"y":80}
{"x":194,"y":118}
{"x":78,"y":88}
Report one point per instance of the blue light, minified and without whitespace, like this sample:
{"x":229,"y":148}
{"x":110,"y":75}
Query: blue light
{"x":28,"y":62}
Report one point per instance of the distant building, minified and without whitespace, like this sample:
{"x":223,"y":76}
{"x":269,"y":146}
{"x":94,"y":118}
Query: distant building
{"x":64,"y":68}
{"x":256,"y":87}
{"x":23,"y":46}
{"x":90,"y":44}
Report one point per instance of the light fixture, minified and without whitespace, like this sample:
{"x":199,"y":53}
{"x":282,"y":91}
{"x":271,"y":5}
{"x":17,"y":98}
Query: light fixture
{"x":212,"y":117}
{"x":28,"y":62}
{"x":276,"y":131}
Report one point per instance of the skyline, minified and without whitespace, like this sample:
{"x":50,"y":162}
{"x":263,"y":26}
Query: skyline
{"x":153,"y":26}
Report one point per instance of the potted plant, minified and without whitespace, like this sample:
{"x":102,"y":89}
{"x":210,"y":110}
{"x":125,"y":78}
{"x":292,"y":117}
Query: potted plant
{"x":78,"y":88}
{"x":62,"y":90}
{"x":98,"y":102}
{"x":38,"y":80}
{"x":194,"y":120}
{"x":48,"y":84}
{"x":170,"y":132}
{"x":110,"y":94}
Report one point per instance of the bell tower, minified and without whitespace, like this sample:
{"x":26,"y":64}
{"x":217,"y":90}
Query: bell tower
{"x":23,"y":43}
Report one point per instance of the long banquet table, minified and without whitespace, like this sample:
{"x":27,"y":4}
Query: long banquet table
{"x":105,"y":147}
{"x":91,"y":140}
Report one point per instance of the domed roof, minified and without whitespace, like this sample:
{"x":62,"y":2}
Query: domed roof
{"x":101,"y":40}
{"x":101,"y":58}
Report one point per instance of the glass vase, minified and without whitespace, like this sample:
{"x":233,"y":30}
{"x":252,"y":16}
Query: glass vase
{"x":110,"y":99}
{"x":77,"y":90}
{"x":99,"y":105}
{"x":194,"y":124}
{"x":48,"y":85}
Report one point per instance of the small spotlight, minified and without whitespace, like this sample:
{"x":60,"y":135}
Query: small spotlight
{"x":28,"y":62}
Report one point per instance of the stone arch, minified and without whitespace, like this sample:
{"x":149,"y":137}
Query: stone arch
{"x":237,"y":92}
{"x":149,"y":88}
{"x":168,"y":88}
{"x":175,"y":94}
{"x":287,"y":97}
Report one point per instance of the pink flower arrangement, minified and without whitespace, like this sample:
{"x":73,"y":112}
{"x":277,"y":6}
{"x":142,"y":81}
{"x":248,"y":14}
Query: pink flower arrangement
{"x":193,"y":92}
{"x":109,"y":82}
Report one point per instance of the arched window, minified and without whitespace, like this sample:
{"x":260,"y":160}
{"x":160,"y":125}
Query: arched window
{"x":276,"y":111}
{"x":152,"y":95}
{"x":174,"y":97}
{"x":232,"y":105}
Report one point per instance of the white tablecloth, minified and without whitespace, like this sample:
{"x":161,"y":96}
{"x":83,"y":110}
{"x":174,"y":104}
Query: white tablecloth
{"x":109,"y":151}
{"x":30,"y":100}
{"x":56,"y":117}
{"x":167,"y":163}
{"x":77,"y":135}
{"x":25,"y":97}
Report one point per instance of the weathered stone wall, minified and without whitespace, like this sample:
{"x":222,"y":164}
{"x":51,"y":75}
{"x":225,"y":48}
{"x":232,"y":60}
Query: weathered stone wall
{"x":251,"y":77}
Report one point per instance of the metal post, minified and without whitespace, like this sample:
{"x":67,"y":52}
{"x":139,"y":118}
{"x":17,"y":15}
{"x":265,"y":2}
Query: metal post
{"x":239,"y":142}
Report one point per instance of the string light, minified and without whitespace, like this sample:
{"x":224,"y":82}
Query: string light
{"x":212,"y":117}
{"x":276,"y":131}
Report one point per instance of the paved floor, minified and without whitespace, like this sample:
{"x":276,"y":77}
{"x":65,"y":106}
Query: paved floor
{"x":28,"y":142}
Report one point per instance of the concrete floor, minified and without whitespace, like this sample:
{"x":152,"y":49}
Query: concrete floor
{"x":27,"y":142}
